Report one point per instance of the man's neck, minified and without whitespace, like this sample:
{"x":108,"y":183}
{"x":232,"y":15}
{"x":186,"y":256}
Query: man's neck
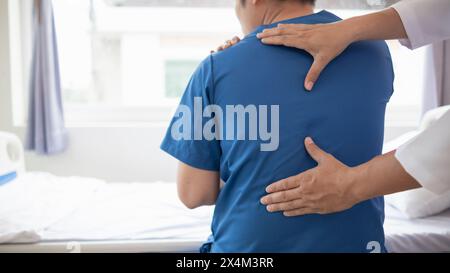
{"x":286,"y":11}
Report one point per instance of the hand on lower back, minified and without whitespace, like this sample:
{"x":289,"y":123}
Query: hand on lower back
{"x":324,"y":189}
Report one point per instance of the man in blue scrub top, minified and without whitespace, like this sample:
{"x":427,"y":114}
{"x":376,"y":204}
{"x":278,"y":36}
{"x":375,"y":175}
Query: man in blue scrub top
{"x":244,"y":117}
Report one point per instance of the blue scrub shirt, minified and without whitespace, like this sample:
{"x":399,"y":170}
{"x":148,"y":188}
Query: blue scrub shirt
{"x":344,"y":114}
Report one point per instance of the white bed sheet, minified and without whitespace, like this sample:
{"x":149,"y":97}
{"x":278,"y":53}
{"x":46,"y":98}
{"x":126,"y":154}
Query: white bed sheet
{"x":39,"y":211}
{"x":133,"y":211}
{"x":92,"y":216}
{"x":35,"y":201}
{"x":430,"y":234}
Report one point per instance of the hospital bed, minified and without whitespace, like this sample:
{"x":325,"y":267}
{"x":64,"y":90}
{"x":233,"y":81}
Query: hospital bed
{"x":89,"y":215}
{"x":40,"y":212}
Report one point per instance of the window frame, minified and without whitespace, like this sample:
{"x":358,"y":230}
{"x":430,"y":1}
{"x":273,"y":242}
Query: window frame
{"x":20,"y":44}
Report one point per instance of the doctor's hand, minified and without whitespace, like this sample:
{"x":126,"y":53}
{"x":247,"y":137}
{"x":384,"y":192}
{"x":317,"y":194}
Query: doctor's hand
{"x":324,"y":189}
{"x":227,"y":44}
{"x":326,"y":41}
{"x":323,"y":41}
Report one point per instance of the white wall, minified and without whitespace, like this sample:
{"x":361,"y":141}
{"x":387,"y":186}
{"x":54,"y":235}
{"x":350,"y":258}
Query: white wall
{"x":114,"y":153}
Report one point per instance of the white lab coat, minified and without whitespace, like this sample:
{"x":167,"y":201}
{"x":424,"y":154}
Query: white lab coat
{"x":425,"y":21}
{"x":427,"y":156}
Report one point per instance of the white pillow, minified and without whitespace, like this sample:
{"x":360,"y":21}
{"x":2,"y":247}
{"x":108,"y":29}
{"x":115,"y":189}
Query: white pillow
{"x":419,"y":203}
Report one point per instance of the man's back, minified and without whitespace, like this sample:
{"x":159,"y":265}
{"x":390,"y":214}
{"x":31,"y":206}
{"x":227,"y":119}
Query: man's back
{"x":344,"y":115}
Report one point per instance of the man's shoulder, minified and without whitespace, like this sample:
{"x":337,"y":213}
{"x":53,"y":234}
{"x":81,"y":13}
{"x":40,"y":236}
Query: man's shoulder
{"x":245,"y":46}
{"x":227,"y":59}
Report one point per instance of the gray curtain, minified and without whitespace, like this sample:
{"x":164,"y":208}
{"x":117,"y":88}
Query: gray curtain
{"x":46,"y":133}
{"x":436,"y":91}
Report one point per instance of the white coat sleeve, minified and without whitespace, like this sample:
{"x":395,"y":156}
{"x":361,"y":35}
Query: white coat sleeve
{"x":425,"y":21}
{"x":427,"y":156}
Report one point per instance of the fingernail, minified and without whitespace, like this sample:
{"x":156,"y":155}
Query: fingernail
{"x":309,"y":86}
{"x":309,"y":140}
{"x":268,"y":189}
{"x":258,"y":35}
{"x":269,"y":208}
{"x":263,"y":201}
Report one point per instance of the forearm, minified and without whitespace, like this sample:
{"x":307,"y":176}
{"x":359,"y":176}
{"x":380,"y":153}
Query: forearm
{"x":193,"y":196}
{"x":197,"y":187}
{"x":381,"y":176}
{"x":382,"y":25}
{"x":384,"y":174}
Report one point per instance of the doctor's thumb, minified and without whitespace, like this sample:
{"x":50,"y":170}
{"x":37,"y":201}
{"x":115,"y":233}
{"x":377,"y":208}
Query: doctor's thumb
{"x":314,"y":73}
{"x":314,"y":151}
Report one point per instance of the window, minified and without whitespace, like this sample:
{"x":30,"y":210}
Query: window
{"x":177,"y":75}
{"x":129,"y":60}
{"x":136,"y":53}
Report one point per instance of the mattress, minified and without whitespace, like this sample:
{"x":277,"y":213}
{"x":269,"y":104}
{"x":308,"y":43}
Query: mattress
{"x":44,"y":213}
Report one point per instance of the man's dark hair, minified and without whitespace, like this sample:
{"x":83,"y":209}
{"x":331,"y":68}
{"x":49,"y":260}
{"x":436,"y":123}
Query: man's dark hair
{"x":311,"y":2}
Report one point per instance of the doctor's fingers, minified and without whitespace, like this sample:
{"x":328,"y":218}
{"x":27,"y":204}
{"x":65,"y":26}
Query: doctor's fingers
{"x":287,"y":206}
{"x":228,"y":44}
{"x":291,"y":182}
{"x":289,"y":40}
{"x":284,"y":184}
{"x":287,"y":189}
{"x":274,"y":32}
{"x":284,"y":29}
{"x":232,"y":42}
{"x":281,"y":196}
{"x":319,"y":64}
